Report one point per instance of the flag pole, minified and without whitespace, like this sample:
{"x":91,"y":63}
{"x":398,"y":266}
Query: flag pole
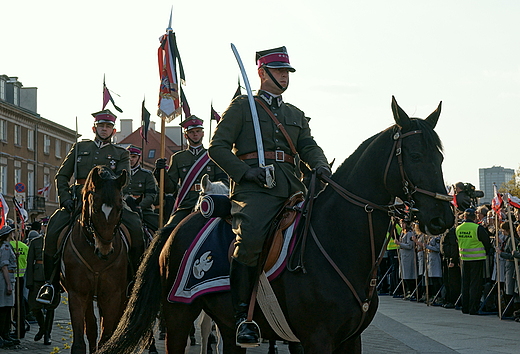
{"x":161,"y":175}
{"x":512,"y":234}
{"x":497,"y":259}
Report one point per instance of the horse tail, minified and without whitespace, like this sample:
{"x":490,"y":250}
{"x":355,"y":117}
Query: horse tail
{"x":135,"y":329}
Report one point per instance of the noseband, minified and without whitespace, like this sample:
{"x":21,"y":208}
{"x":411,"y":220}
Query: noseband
{"x":89,"y":227}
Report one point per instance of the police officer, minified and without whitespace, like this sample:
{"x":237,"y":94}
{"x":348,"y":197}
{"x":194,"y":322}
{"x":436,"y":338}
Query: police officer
{"x":83,"y":156}
{"x":186,"y":169}
{"x":142,"y":189}
{"x":474,"y":244}
{"x":254,"y":206}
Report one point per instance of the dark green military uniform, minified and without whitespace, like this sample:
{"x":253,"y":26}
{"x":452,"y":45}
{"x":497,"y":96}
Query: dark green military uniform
{"x":143,"y":185}
{"x":254,"y":207}
{"x":90,"y":154}
{"x":180,"y":164}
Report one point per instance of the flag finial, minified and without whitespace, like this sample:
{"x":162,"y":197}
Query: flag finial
{"x":170,"y":29}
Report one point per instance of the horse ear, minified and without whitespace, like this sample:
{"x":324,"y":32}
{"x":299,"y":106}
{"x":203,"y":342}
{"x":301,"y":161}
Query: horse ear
{"x":205,"y":182}
{"x":434,"y":116}
{"x":400,"y":117}
{"x":122,"y":179}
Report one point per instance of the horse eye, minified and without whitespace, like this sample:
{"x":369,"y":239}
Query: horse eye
{"x":416,"y":156}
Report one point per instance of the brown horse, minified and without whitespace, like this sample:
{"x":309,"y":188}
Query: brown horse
{"x":327,"y":293}
{"x":95,"y":260}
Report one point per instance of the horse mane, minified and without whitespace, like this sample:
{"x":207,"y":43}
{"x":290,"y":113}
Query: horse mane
{"x":105,"y":189}
{"x":430,"y":136}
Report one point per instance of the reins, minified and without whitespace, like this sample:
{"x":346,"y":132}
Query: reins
{"x":409,"y":189}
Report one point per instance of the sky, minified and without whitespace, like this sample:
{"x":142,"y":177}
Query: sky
{"x":350,"y":58}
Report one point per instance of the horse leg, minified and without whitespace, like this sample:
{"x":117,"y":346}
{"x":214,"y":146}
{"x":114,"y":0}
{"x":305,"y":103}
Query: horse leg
{"x":273,"y":348}
{"x":77,"y":310}
{"x":205,"y":331}
{"x":351,"y":346}
{"x":110,"y":311}
{"x":228,"y":337}
{"x":295,"y":348}
{"x":91,"y":328}
{"x":179,"y":319}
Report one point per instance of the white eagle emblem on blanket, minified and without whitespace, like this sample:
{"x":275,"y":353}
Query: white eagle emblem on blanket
{"x":202,"y":265}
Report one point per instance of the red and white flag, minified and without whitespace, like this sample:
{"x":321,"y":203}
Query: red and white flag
{"x":513,"y":201}
{"x":4,"y":210}
{"x":496,"y":203}
{"x":20,"y":212}
{"x":452,"y":193}
{"x":45,"y":190}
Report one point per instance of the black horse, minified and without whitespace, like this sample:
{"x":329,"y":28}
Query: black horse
{"x":329,"y":297}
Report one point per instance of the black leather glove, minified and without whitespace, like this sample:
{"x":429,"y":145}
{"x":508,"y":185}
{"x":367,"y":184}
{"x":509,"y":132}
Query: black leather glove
{"x":516,"y":254}
{"x":68,"y":205}
{"x":160,"y":164}
{"x":255,"y":175}
{"x":323,"y":171}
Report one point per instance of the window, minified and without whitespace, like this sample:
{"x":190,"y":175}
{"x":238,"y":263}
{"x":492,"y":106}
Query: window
{"x":2,"y":89}
{"x":57,"y":148}
{"x":15,"y":95}
{"x":46,"y":182}
{"x":30,"y":139}
{"x":3,"y":130}
{"x":17,"y":175}
{"x":46,"y":144}
{"x":67,"y":147}
{"x":30,"y":182}
{"x":17,"y":135}
{"x":3,"y":179}
{"x":151,"y":154}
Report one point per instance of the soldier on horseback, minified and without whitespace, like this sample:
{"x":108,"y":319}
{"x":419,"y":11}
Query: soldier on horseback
{"x":255,"y":201}
{"x":140,"y":193}
{"x":186,"y":169}
{"x":79,"y":161}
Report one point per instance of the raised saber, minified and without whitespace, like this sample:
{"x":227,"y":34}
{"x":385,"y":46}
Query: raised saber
{"x":269,"y":170}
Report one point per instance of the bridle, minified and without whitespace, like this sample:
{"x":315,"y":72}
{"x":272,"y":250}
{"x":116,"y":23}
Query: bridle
{"x":402,"y":211}
{"x":90,"y":229}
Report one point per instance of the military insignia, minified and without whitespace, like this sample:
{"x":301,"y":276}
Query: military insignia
{"x":208,"y":168}
{"x":140,"y":185}
{"x":113,"y":164}
{"x":184,"y":169}
{"x":79,"y":159}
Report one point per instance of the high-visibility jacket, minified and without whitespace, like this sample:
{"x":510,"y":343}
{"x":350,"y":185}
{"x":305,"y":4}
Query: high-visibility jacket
{"x":22,"y":249}
{"x":470,"y":248}
{"x":391,"y":242}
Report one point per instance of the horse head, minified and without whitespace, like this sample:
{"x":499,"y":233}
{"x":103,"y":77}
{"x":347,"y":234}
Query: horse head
{"x":415,"y":174}
{"x":208,"y":187}
{"x":102,"y":208}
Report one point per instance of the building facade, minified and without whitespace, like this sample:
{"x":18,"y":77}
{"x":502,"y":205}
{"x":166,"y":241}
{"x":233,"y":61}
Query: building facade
{"x":31,"y":150}
{"x":493,"y":175}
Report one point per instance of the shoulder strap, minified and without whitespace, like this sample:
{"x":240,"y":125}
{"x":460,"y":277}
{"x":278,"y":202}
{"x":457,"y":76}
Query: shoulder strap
{"x":278,"y":125}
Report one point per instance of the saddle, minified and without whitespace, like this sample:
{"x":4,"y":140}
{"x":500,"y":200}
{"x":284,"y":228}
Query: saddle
{"x":220,"y":206}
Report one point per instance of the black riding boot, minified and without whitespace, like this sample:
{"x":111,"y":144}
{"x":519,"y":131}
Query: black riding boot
{"x":242,"y":279}
{"x":49,"y":318}
{"x":48,"y":291}
{"x":41,"y":325}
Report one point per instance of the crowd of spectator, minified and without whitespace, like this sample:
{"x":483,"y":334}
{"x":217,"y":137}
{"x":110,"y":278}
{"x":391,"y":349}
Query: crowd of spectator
{"x":473,"y":267}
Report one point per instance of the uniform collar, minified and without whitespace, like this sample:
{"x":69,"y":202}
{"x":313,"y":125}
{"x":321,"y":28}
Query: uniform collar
{"x":272,"y":100}
{"x":136,"y":168}
{"x":101,"y":144}
{"x":196,"y":150}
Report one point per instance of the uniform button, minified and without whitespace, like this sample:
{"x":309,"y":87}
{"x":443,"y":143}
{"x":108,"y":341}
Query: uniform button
{"x":294,"y":122}
{"x":277,"y":131}
{"x":276,"y":140}
{"x":278,"y":148}
{"x":276,"y":114}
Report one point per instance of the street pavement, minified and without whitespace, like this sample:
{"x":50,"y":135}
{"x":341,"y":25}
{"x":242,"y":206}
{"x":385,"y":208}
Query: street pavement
{"x":399,"y":327}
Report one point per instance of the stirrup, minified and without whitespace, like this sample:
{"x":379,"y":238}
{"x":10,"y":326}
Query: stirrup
{"x":41,"y":297}
{"x":248,"y":345}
